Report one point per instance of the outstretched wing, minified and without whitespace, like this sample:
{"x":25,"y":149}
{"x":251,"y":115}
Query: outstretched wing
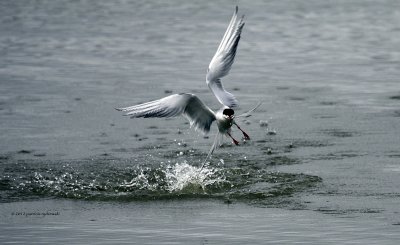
{"x":188,"y":105}
{"x":222,"y":61}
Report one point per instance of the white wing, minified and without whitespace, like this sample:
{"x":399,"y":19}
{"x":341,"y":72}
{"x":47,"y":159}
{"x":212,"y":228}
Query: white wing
{"x":188,"y":105}
{"x":222,"y":61}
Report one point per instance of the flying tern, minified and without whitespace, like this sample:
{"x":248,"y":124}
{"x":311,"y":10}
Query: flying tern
{"x":190,"y":106}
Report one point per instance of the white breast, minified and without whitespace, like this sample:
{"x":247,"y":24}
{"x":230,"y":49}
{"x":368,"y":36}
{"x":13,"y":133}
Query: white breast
{"x":224,"y":123}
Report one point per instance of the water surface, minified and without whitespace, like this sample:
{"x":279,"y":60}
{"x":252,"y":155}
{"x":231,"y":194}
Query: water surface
{"x":323,"y":170}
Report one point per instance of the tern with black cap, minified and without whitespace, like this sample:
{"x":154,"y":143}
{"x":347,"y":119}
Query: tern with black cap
{"x":190,"y":106}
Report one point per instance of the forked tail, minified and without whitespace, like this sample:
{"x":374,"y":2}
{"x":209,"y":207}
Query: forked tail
{"x":217,"y":141}
{"x":248,"y":113}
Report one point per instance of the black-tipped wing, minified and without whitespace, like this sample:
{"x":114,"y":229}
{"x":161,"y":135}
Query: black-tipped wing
{"x":222,"y":61}
{"x":188,"y":105}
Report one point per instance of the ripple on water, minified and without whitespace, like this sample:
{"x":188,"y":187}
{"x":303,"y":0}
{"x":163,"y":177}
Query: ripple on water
{"x":309,"y":143}
{"x":121,"y":180}
{"x":395,"y":97}
{"x":340,"y":155}
{"x":339,"y":133}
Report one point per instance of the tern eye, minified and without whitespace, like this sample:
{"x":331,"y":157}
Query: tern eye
{"x":228,"y":112}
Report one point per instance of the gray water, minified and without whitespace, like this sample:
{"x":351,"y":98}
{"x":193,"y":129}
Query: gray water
{"x":325,"y":170}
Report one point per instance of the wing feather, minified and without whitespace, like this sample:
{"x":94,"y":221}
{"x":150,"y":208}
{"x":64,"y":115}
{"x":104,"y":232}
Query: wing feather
{"x":188,"y":105}
{"x":222,"y":61}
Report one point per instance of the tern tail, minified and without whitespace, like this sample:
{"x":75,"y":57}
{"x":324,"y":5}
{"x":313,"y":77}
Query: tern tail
{"x":248,"y":113}
{"x":215,"y":145}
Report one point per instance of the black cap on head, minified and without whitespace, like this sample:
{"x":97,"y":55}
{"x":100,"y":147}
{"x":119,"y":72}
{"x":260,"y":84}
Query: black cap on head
{"x":228,"y":112}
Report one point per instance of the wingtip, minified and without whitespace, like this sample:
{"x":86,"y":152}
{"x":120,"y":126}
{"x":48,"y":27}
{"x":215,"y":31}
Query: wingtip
{"x":122,"y":109}
{"x":236,"y":9}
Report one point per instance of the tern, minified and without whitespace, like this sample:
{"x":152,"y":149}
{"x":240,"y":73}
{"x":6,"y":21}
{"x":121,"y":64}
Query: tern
{"x":190,"y":106}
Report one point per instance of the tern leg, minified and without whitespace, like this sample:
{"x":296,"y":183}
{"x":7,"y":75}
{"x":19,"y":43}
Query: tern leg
{"x":246,"y":136}
{"x":234,"y":141}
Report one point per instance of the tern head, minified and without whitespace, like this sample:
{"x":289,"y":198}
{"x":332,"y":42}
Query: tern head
{"x":228,"y":113}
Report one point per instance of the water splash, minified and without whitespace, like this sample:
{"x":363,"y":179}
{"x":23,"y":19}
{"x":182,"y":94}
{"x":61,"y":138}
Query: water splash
{"x":187,"y":178}
{"x":122,"y":181}
{"x":178,"y":178}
